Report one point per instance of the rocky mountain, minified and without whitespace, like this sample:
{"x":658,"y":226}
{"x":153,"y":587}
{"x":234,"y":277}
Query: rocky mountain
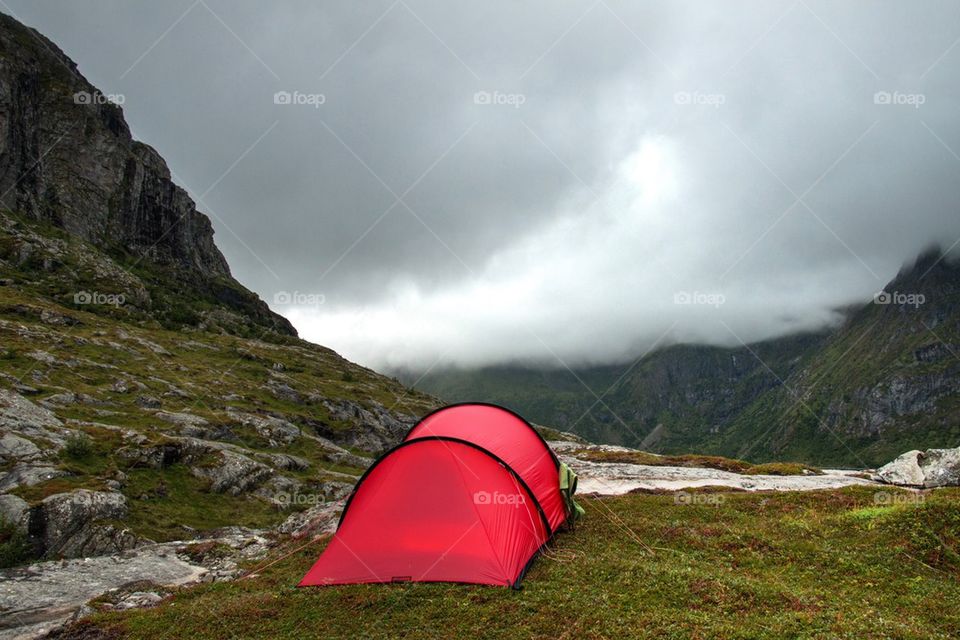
{"x":886,"y":381}
{"x":68,"y":161}
{"x":145,"y":395}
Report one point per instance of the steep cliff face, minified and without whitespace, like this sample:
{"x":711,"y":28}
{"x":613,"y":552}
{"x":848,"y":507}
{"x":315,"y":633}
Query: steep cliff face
{"x":67,"y":160}
{"x":67,"y":157}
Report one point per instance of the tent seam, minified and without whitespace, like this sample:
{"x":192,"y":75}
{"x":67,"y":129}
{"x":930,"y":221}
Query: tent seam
{"x":486,"y":532}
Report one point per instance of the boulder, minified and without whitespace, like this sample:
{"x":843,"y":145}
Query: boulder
{"x":14,"y":510}
{"x":66,"y":524}
{"x":904,"y":470}
{"x":941,"y":467}
{"x":283,"y":391}
{"x":930,"y":468}
{"x":235,"y":473}
{"x":13,"y":448}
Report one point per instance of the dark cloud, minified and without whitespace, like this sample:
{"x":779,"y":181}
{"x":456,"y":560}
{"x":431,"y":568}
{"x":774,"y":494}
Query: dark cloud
{"x":578,"y":180}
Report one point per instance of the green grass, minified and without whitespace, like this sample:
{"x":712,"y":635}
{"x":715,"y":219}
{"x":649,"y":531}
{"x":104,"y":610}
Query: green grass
{"x":15,"y":547}
{"x":750,"y":566}
{"x":162,"y":502}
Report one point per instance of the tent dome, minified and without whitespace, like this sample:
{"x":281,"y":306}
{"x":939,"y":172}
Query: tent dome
{"x":470,"y":495}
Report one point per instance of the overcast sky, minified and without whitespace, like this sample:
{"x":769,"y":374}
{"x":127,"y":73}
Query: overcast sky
{"x":579,"y":181}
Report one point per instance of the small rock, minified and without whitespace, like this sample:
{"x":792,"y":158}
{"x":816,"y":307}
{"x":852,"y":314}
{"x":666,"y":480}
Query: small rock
{"x":139,"y":600}
{"x":26,"y":390}
{"x":147,"y":402}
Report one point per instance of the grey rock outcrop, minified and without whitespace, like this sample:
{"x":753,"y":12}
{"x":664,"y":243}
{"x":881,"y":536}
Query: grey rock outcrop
{"x":941,"y":467}
{"x":27,"y":475}
{"x":68,"y":524}
{"x":930,"y":468}
{"x":903,"y":470}
{"x":14,"y":448}
{"x":14,"y":510}
{"x":381,"y":428}
{"x":27,"y":419}
{"x":276,"y":431}
{"x":316,"y":520}
{"x":234,"y":473}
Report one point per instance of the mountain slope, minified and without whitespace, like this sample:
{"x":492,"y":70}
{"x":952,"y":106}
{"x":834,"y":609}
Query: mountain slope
{"x":145,"y":395}
{"x":886,"y":381}
{"x":664,"y":402}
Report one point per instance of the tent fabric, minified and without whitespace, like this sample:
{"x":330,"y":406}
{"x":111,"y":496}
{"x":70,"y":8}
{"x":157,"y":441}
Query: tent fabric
{"x":434,"y":510}
{"x":508,"y":436}
{"x":461,"y":499}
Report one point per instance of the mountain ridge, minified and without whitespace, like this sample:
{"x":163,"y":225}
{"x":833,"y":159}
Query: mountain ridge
{"x":742,"y":401}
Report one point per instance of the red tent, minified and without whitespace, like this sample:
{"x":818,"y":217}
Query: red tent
{"x":470,"y":495}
